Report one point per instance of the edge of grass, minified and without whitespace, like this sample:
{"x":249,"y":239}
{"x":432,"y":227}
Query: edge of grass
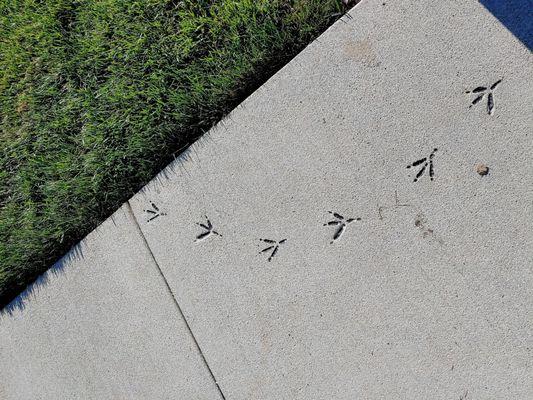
{"x":97,"y":96}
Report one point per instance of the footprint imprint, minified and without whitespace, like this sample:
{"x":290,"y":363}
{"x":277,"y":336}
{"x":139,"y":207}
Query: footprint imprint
{"x":154,"y":212}
{"x":208,"y":226}
{"x":273,"y":247}
{"x":425,"y":162}
{"x":341,"y":224}
{"x":480,"y":92}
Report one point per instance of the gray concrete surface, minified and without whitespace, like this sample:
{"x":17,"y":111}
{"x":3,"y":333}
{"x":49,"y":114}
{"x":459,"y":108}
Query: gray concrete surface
{"x":425,"y":291}
{"x":429,"y":294}
{"x":102,"y":326}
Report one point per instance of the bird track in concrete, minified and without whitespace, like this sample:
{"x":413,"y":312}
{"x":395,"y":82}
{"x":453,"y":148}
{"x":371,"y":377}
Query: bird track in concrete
{"x":425,"y":162}
{"x":273,"y":247}
{"x":480,"y":92}
{"x":153,"y":212}
{"x":341,"y":223}
{"x":208,"y":230}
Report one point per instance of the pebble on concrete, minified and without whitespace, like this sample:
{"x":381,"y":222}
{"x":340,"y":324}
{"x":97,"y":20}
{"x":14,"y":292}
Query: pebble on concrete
{"x":482,"y":169}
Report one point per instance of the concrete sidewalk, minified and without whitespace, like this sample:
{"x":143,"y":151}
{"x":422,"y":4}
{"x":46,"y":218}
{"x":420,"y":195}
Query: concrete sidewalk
{"x":336,"y":237}
{"x":102,"y":326}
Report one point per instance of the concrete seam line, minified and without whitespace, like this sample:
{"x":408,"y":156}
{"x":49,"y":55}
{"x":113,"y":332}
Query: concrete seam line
{"x":182,"y":315}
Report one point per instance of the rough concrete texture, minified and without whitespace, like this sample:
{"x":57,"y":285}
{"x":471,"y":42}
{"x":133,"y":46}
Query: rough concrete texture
{"x":428,"y":295}
{"x":102,"y":326}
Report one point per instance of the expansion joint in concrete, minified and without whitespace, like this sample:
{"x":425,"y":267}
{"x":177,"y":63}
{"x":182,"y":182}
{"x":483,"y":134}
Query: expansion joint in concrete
{"x":169,"y":290}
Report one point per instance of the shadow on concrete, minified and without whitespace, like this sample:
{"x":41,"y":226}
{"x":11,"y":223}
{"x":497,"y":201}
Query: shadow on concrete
{"x":515,"y":15}
{"x":19,"y":302}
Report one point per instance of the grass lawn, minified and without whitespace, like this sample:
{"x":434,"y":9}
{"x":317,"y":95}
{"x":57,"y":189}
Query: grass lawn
{"x":96,"y":96}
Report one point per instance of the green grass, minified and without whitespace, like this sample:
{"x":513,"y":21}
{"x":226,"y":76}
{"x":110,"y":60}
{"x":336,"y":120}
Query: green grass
{"x":96,"y":96}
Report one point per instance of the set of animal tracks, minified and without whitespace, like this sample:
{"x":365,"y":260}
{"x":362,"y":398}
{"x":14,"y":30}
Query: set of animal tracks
{"x":339,"y":223}
{"x":272,"y":246}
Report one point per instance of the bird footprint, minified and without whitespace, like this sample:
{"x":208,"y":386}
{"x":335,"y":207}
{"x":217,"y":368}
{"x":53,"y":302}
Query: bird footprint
{"x":273,"y":247}
{"x":208,"y":230}
{"x":341,"y":223}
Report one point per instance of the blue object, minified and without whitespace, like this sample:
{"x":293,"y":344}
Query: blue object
{"x":516,"y":15}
